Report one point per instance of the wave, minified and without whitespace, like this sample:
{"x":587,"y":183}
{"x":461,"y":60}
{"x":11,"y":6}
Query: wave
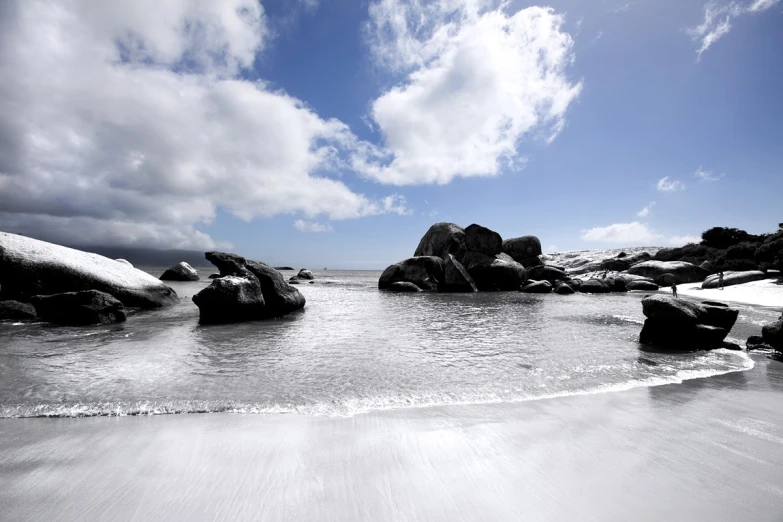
{"x":349,"y":407}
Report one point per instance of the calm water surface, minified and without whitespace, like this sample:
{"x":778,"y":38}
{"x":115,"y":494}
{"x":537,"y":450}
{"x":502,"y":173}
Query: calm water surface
{"x":352,"y":349}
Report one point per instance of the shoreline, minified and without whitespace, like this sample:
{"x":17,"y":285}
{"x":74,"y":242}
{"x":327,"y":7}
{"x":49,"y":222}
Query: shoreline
{"x":766,"y":293}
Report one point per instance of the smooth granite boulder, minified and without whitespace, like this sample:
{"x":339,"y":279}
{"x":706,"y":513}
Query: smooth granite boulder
{"x":773,"y":334}
{"x":733,"y":278}
{"x":30,"y":267}
{"x":563,"y":288}
{"x":525,"y":250}
{"x":231,"y":299}
{"x":79,"y":308}
{"x":537,"y":287}
{"x":681,"y":325}
{"x":646,"y":286}
{"x":456,"y":277}
{"x":180,"y":272}
{"x":683,"y":272}
{"x":305,"y":274}
{"x":481,"y":239}
{"x":442,"y":239}
{"x":594,"y":286}
{"x":404,"y":286}
{"x":546,"y":273}
{"x":426,"y":272}
{"x":498,"y":273}
{"x":15,"y":311}
{"x":625,"y":262}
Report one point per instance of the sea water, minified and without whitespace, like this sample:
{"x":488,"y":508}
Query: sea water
{"x":352,"y":349}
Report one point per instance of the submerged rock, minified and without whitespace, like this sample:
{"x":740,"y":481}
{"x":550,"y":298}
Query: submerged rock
{"x":426,"y":272}
{"x":404,"y":286}
{"x":30,"y":267}
{"x":677,"y":324}
{"x":79,"y":308}
{"x":683,"y":272}
{"x":456,"y":277}
{"x":442,"y":239}
{"x":15,"y":311}
{"x":180,"y":272}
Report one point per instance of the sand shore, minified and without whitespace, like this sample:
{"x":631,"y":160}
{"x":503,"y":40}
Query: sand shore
{"x":707,"y":449}
{"x":767,"y":292}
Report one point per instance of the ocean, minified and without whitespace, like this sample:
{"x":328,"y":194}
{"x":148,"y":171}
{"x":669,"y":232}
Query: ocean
{"x":353,"y":349}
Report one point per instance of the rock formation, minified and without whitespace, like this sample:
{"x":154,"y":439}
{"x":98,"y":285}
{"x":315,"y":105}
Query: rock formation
{"x":734,"y":278}
{"x":180,"y":272}
{"x":15,"y":311}
{"x":682,"y":271}
{"x":79,"y":308}
{"x":679,"y":325}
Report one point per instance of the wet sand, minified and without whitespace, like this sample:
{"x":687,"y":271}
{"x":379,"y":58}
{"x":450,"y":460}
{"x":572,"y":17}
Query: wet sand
{"x":707,"y":449}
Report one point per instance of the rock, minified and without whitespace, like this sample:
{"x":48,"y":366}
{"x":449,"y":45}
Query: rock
{"x":283,"y":268}
{"x":404,"y":286}
{"x":546,"y":273}
{"x":231,"y":299}
{"x":125,"y":262}
{"x":615,"y":284}
{"x":728,"y":345}
{"x":537,"y":287}
{"x":624,"y":263}
{"x":214,"y":276}
{"x":682,"y":271}
{"x":498,"y":273}
{"x":484,"y":240}
{"x":647,"y":286}
{"x":30,"y":267}
{"x":733,"y":278}
{"x":594,"y":286}
{"x":279,"y":297}
{"x":180,"y":272}
{"x":442,"y":239}
{"x":16,"y":311}
{"x":79,"y":308}
{"x":667,"y":308}
{"x":426,"y":272}
{"x":773,"y":334}
{"x":681,"y":336}
{"x":293,"y":280}
{"x":756,"y":342}
{"x":562,"y":288}
{"x":665,"y":280}
{"x":525,"y":250}
{"x":456,"y":277}
{"x":621,"y":255}
{"x":305,"y":274}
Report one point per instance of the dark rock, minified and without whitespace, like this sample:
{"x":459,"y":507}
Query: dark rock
{"x":525,"y":250}
{"x":293,"y":280}
{"x":670,"y":336}
{"x":666,"y":280}
{"x":214,"y":276}
{"x":733,"y":278}
{"x":484,"y":240}
{"x":79,"y":308}
{"x":714,"y":303}
{"x":621,"y":255}
{"x":180,"y":272}
{"x":773,"y":334}
{"x":682,"y":271}
{"x":562,"y":288}
{"x":231,"y":299}
{"x":537,"y":287}
{"x":756,"y":342}
{"x":667,"y":308}
{"x":16,"y":311}
{"x":30,"y":267}
{"x":728,"y":345}
{"x":594,"y":286}
{"x":442,"y":239}
{"x":615,"y":284}
{"x":426,"y":272}
{"x":283,"y":268}
{"x":456,"y":277}
{"x":647,"y":286}
{"x":624,"y":263}
{"x":546,"y":273}
{"x":404,"y":286}
{"x":305,"y":274}
{"x":498,"y":273}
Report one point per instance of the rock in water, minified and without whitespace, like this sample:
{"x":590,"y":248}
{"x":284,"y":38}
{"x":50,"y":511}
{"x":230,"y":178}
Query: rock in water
{"x":456,"y":277}
{"x":305,"y":274}
{"x":426,"y":272}
{"x":442,"y":239}
{"x":525,"y":250}
{"x":498,"y":273}
{"x":594,"y":286}
{"x":734,"y":278}
{"x":481,"y":239}
{"x":30,"y":267}
{"x":404,"y":286}
{"x":180,"y":272}
{"x":231,"y":299}
{"x":537,"y":287}
{"x":773,"y":334}
{"x":677,"y":324}
{"x":562,"y":288}
{"x":16,"y":311}
{"x":682,"y":271}
{"x":79,"y":308}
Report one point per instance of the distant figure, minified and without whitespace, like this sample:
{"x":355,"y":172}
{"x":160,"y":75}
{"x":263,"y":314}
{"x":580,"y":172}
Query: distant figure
{"x":720,"y":280}
{"x":674,"y":289}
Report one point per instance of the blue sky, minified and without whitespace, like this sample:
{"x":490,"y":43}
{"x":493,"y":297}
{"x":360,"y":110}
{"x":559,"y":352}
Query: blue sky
{"x":335,"y":133}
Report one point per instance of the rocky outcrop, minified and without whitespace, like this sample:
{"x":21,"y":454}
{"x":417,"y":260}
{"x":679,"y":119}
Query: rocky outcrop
{"x":404,"y":286}
{"x":277,"y":298}
{"x":483,"y":240}
{"x":773,"y":334}
{"x":456,"y":277}
{"x":426,"y":272}
{"x":524,"y":250}
{"x":180,"y":272}
{"x":30,"y":267}
{"x":646,"y":286}
{"x":679,"y":325}
{"x":734,"y":278}
{"x":682,"y":271}
{"x":546,"y":273}
{"x":494,"y":273}
{"x":15,"y":311}
{"x":442,"y":239}
{"x":79,"y":308}
{"x":305,"y":274}
{"x":537,"y":287}
{"x":624,"y":262}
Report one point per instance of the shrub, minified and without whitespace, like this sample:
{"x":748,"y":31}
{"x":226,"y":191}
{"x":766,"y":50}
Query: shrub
{"x":722,"y":237}
{"x":744,"y":250}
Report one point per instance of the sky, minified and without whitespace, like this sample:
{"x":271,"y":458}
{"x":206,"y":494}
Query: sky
{"x":334,"y":133}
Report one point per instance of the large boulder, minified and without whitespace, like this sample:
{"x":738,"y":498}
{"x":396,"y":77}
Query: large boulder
{"x":404,"y":286}
{"x":494,"y":273}
{"x":79,"y":308}
{"x":537,"y":287}
{"x":625,"y":262}
{"x":594,"y":286}
{"x":15,"y":311}
{"x":456,"y":277}
{"x":231,"y":299}
{"x":481,"y":239}
{"x":442,"y":239}
{"x":305,"y":274}
{"x":773,"y":334}
{"x":677,"y":324}
{"x":525,"y":250}
{"x":563,"y":288}
{"x":733,"y":278}
{"x":647,"y":286}
{"x":426,"y":272}
{"x":30,"y":267}
{"x":280,"y":298}
{"x":682,"y":271}
{"x":546,"y":273}
{"x":180,"y":272}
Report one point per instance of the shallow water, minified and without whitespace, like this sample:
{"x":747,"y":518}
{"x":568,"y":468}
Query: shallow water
{"x":352,"y":349}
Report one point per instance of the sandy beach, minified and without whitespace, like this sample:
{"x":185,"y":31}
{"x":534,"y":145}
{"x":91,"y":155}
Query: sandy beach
{"x":707,"y":449}
{"x":767,"y":292}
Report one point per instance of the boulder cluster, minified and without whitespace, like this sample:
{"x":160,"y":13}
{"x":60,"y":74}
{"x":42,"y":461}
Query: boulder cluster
{"x":679,"y":325}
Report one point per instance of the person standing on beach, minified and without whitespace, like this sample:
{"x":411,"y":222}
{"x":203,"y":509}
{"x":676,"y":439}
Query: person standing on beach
{"x":720,"y":280}
{"x":674,"y":289}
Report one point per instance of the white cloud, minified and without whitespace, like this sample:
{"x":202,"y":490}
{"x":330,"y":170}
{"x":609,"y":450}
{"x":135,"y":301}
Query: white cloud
{"x":476,"y":81}
{"x":718,"y":18}
{"x":683,"y":240}
{"x":646,"y":210}
{"x":134,"y":116}
{"x":598,"y":36}
{"x":664,"y":185}
{"x":626,"y":233}
{"x":621,"y":8}
{"x":704,"y":175}
{"x":312,"y":226}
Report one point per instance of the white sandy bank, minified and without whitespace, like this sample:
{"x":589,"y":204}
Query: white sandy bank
{"x":768,"y":292}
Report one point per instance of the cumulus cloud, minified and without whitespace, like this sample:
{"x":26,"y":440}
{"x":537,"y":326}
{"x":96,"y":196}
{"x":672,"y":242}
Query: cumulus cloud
{"x":646,"y":210}
{"x":683,"y":240}
{"x":312,"y":226}
{"x":626,"y":233}
{"x":705,"y":175}
{"x":718,"y":19}
{"x":134,"y":118}
{"x":664,"y":185}
{"x":475,"y":81}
